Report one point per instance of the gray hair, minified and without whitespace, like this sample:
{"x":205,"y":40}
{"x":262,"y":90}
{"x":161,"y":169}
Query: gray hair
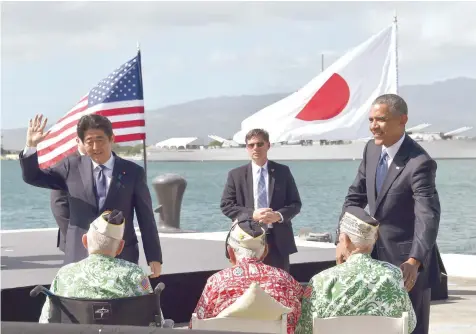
{"x":241,"y":252}
{"x":360,"y":242}
{"x":395,"y":103}
{"x":101,"y":244}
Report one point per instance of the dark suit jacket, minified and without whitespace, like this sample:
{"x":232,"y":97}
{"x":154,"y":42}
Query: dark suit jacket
{"x":237,"y":201}
{"x":127,"y":192}
{"x":407,"y":207}
{"x":60,"y":208}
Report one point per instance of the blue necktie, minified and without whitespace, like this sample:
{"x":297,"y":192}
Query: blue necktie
{"x":262,"y":193}
{"x":382,"y":169}
{"x":101,"y":186}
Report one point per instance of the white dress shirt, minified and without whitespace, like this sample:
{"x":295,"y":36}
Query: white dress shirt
{"x":256,"y":170}
{"x":393,"y":150}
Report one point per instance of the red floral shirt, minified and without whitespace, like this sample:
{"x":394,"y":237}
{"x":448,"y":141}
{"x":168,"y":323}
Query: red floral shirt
{"x":226,"y":286}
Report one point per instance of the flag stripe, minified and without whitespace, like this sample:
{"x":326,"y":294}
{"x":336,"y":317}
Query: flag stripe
{"x":57,"y":151}
{"x":53,"y":140}
{"x":131,"y":137}
{"x":105,"y":109}
{"x":124,"y":118}
{"x":120,"y":128}
{"x":126,"y":131}
{"x":118,"y":97}
{"x":120,"y":135}
{"x":121,"y":118}
{"x":121,"y":111}
{"x":68,"y":128}
{"x":128,"y":124}
{"x":58,"y":158}
{"x":58,"y":144}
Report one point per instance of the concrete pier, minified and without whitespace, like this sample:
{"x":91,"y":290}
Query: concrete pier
{"x":29,"y":257}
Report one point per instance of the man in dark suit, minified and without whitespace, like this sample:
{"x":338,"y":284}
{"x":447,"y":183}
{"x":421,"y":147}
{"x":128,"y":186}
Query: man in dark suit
{"x":97,"y":182}
{"x":264,"y":191}
{"x":396,"y":179}
{"x":60,"y":206}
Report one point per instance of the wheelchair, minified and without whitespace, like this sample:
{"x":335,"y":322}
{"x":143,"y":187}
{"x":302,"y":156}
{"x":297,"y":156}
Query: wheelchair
{"x":129,"y":311}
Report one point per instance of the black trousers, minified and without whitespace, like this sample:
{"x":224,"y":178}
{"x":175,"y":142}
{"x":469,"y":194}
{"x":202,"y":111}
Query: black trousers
{"x":274,"y":257}
{"x":421,"y":305}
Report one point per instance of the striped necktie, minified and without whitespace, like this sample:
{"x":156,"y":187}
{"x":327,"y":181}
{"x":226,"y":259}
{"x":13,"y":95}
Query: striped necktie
{"x":262,"y":193}
{"x":101,"y":186}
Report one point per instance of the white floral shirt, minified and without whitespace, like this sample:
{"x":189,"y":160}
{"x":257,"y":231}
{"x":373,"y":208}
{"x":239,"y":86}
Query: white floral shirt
{"x":360,"y":286}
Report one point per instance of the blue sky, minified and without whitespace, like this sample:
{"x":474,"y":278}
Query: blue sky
{"x":54,"y":52}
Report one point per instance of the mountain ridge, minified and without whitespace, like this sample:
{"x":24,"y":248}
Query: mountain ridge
{"x":442,"y":104}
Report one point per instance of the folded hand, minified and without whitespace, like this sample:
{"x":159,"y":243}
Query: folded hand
{"x":410,"y":273}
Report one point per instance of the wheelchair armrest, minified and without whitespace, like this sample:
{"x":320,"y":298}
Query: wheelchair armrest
{"x":159,"y":288}
{"x":40,"y":289}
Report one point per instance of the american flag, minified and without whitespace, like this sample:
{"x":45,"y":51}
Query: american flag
{"x":119,"y":97}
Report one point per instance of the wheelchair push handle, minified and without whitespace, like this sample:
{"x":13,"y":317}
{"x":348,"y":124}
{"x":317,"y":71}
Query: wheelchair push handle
{"x":40,"y":289}
{"x":159,"y":288}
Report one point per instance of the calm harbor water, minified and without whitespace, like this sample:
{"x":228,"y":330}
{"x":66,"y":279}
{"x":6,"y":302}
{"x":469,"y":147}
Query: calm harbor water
{"x":322,"y":185}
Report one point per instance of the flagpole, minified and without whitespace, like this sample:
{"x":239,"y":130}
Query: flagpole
{"x":144,"y":147}
{"x":395,"y":22}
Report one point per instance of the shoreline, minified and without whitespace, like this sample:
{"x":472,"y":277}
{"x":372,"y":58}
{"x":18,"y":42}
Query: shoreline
{"x":461,"y":149}
{"x":133,"y":158}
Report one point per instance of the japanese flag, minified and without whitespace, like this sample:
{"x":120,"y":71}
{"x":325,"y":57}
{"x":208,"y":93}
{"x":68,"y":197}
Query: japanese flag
{"x":336,"y":103}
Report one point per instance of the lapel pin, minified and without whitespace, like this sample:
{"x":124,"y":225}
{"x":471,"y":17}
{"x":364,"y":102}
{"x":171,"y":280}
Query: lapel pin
{"x":398,"y":167}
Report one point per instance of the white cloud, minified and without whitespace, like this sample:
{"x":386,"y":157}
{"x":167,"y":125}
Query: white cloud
{"x":54,"y":23}
{"x":222,"y":58}
{"x":429,"y":32}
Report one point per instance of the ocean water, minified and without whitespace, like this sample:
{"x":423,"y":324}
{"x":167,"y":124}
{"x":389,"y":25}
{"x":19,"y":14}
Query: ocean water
{"x":322,"y":186}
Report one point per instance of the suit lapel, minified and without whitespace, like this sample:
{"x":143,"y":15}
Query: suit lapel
{"x":249,"y":185}
{"x":117,"y":182}
{"x":271,"y":179}
{"x":86,"y":172}
{"x":396,"y":167}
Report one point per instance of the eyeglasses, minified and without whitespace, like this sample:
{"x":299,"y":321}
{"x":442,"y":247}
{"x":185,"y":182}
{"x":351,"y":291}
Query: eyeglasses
{"x":258,"y":144}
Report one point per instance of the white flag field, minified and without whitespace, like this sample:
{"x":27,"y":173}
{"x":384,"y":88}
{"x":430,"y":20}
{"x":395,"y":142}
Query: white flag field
{"x":335,"y":104}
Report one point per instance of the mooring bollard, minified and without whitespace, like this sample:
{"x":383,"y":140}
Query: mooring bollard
{"x":169,"y":189}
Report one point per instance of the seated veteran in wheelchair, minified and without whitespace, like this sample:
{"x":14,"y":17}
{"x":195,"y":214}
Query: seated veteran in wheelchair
{"x":100,"y":275}
{"x":249,"y":288}
{"x":359,"y":286}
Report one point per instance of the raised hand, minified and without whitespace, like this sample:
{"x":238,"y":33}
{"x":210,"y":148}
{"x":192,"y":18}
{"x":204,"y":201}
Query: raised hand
{"x":35,"y":133}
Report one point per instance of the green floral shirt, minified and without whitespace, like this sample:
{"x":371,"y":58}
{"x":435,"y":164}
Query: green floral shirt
{"x":360,"y":286}
{"x":98,"y":277}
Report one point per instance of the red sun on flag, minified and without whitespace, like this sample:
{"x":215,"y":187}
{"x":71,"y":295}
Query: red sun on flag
{"x":329,"y":101}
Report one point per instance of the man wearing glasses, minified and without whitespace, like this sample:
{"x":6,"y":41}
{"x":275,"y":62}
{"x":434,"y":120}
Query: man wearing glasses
{"x":264,"y":191}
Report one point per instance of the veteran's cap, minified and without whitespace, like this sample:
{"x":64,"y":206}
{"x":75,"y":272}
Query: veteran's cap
{"x":358,"y":222}
{"x":110,"y":224}
{"x":247,"y":234}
